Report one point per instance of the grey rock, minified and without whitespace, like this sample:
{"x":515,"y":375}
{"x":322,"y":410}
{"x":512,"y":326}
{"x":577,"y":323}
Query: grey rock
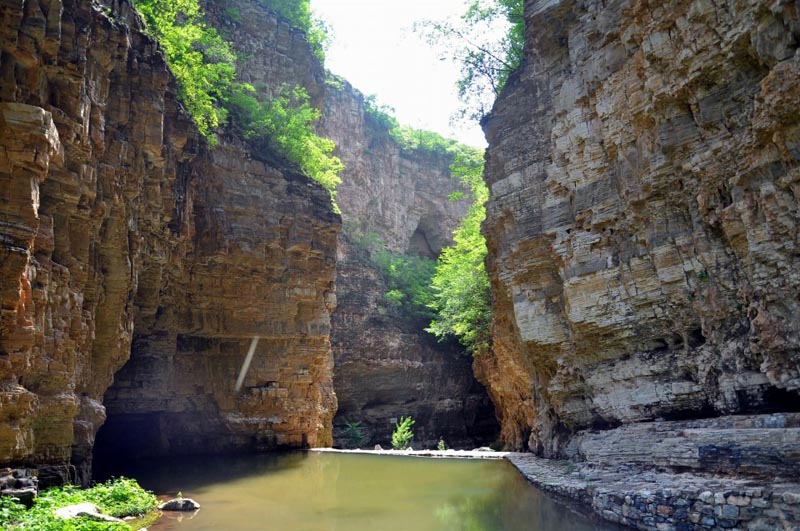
{"x":179,"y":504}
{"x":84,"y":510}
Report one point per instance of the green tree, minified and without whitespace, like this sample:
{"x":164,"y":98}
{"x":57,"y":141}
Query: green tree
{"x":354,"y":434}
{"x":461,"y":292}
{"x":487,"y":41}
{"x":201,"y":61}
{"x":285,"y":123}
{"x":402,"y":435}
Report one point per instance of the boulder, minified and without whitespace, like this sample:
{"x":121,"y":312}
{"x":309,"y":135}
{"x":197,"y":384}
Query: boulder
{"x":179,"y":504}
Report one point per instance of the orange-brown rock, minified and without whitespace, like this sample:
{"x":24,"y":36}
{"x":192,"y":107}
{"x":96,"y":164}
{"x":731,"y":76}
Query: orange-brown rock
{"x":385,"y":366}
{"x":643,"y":222}
{"x":123,"y":236}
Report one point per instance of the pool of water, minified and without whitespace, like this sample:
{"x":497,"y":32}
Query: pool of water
{"x":309,"y":491}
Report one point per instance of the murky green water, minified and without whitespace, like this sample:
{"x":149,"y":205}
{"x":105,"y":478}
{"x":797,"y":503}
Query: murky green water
{"x":345,"y":492}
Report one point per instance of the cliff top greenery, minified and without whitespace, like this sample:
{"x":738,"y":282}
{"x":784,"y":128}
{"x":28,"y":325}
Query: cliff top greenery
{"x":408,"y":138}
{"x":204,"y":64}
{"x":486,"y":59}
{"x":298,"y":14}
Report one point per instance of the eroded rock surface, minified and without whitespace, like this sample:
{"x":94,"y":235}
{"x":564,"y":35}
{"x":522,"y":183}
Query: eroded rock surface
{"x":124,"y":236}
{"x":385,"y":366}
{"x":643,"y":221}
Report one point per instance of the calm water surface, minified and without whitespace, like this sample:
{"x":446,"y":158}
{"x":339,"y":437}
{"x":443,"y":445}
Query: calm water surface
{"x":309,"y":491}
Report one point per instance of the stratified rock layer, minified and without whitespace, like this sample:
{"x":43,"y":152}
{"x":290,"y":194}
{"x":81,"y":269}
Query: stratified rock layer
{"x":119,"y":227}
{"x":644,"y":166}
{"x":385,"y":366}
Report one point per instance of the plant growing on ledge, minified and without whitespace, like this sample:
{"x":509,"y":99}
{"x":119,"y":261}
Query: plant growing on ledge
{"x":402,"y":435}
{"x":354,"y":435}
{"x":204,"y":65}
{"x":461,"y":294}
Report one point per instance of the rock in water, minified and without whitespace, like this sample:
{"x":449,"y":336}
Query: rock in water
{"x":179,"y":504}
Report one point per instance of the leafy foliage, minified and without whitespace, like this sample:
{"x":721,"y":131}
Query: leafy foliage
{"x":409,"y":281}
{"x":354,"y":435}
{"x":488,"y":42}
{"x":10,"y":510}
{"x":285,"y":123}
{"x":119,"y":497}
{"x":202,"y":62}
{"x":402,"y":435}
{"x":441,"y":446}
{"x":205,"y":66}
{"x":408,"y":138}
{"x":461,"y":292}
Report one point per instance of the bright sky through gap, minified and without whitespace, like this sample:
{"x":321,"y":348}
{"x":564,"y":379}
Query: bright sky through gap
{"x":375,"y":49}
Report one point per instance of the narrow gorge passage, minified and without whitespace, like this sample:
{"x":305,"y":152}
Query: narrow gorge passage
{"x":610,"y":290}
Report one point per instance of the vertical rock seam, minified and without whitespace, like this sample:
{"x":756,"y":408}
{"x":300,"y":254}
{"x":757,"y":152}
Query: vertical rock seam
{"x":644,"y":166}
{"x":123,"y":236}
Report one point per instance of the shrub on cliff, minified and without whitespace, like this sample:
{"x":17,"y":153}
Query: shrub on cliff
{"x":200,"y":59}
{"x":285,"y":123}
{"x":204,"y":65}
{"x":461,"y":293}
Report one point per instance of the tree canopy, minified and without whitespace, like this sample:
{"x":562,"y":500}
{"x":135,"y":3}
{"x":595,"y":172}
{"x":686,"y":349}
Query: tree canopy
{"x":204,"y":65}
{"x":461,"y":296}
{"x":487,"y":41}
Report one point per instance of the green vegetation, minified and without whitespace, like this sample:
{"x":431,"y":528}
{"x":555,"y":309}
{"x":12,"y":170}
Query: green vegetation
{"x":409,"y":280}
{"x":441,"y":446}
{"x":408,"y":138}
{"x":486,"y":61}
{"x":408,"y":277}
{"x":461,"y":294}
{"x":119,"y":498}
{"x":285,"y":123}
{"x":202,"y":62}
{"x":354,"y":436}
{"x":205,"y":66}
{"x":402,"y":435}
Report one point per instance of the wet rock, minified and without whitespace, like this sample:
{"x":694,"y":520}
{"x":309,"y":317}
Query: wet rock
{"x":179,"y":504}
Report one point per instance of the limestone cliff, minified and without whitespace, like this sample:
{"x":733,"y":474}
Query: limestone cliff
{"x":385,"y":366}
{"x":124,"y":236}
{"x":644,"y":166}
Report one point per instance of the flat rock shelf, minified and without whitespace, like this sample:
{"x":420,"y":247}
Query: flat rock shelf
{"x":667,"y":501}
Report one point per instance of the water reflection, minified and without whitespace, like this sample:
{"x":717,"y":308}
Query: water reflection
{"x":336,"y":492}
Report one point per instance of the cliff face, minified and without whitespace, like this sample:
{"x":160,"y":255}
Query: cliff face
{"x":644,"y":166}
{"x":123,"y":236}
{"x":387,"y":366}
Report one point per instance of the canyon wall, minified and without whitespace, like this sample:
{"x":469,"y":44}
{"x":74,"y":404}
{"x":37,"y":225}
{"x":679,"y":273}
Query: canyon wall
{"x":386,"y":366}
{"x":644,"y":166}
{"x":124,"y":236}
